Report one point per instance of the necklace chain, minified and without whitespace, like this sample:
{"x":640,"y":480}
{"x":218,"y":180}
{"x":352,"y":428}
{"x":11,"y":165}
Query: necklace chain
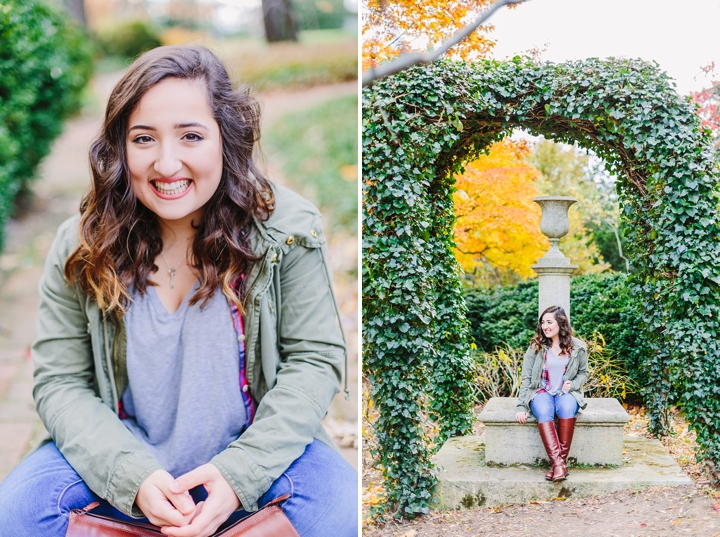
{"x":171,"y":270}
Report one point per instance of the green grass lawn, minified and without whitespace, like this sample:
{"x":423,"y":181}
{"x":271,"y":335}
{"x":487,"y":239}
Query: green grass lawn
{"x":318,"y":151}
{"x":319,"y":57}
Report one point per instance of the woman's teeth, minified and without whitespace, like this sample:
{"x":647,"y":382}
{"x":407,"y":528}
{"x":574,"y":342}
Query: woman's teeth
{"x":171,"y":188}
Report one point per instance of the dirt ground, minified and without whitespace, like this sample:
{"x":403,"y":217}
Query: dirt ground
{"x":659,"y":512}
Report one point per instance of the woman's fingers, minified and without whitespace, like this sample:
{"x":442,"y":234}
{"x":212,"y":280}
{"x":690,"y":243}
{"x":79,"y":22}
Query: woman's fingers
{"x":199,"y":476}
{"x":162,"y":513}
{"x":203,"y":525}
{"x":183,"y":502}
{"x":161,"y":506}
{"x":220,"y":503}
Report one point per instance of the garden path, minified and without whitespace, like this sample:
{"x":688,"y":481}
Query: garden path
{"x":63,"y":179}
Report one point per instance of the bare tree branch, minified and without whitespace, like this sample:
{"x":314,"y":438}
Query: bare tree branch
{"x":619,"y":244}
{"x":404,"y":61}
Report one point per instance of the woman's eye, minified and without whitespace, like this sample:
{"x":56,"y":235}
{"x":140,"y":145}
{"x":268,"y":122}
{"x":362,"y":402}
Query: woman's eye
{"x":192,"y":137}
{"x":142,"y":139}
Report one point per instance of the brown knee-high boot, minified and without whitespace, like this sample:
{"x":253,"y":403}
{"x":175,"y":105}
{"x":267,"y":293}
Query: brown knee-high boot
{"x":566,"y":428}
{"x":549,"y":436}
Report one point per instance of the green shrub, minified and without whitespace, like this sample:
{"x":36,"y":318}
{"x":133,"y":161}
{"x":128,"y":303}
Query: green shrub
{"x":503,"y":316}
{"x":499,"y":373}
{"x":45,"y":61}
{"x":129,"y":39}
{"x":601,"y":303}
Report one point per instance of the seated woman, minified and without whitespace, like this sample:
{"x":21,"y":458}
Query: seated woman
{"x":188,"y":339}
{"x":554,"y":370}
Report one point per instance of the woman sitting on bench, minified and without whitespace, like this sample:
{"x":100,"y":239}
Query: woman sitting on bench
{"x":554,"y":370}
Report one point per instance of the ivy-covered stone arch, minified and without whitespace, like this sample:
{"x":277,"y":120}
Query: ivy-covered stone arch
{"x":418,"y":128}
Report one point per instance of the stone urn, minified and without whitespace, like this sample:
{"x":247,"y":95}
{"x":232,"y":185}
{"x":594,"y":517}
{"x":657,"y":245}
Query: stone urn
{"x":554,"y":269}
{"x":554,"y":225}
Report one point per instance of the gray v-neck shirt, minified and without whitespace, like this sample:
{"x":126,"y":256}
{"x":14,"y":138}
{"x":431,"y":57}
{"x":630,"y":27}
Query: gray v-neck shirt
{"x":556,"y":367}
{"x":183,"y":395}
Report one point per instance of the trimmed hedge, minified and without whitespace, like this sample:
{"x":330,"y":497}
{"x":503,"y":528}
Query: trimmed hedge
{"x":45,"y":61}
{"x":129,"y":39}
{"x":601,"y":303}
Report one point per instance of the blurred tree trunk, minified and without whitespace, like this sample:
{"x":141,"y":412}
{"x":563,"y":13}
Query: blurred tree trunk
{"x":77,"y":10}
{"x":280,"y":20}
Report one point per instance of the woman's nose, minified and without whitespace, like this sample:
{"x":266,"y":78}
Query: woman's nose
{"x":167,"y":164}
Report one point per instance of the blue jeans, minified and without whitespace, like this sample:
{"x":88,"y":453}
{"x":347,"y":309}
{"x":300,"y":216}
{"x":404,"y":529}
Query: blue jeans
{"x":37,"y":497}
{"x":544,"y":406}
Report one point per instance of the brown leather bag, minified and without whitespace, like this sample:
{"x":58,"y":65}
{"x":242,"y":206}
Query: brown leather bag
{"x":270,"y":521}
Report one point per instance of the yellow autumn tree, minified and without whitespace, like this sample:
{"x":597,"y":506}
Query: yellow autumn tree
{"x":391,"y":27}
{"x":497,"y":232}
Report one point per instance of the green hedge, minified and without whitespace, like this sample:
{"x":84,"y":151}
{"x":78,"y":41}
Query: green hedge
{"x":129,"y":39}
{"x":601,"y":303}
{"x":45,"y":61}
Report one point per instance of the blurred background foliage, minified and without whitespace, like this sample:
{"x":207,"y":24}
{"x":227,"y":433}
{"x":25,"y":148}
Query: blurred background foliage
{"x":49,"y":50}
{"x":314,"y":154}
{"x":45,"y":62}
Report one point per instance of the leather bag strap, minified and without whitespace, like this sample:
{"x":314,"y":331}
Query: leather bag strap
{"x":269,"y":521}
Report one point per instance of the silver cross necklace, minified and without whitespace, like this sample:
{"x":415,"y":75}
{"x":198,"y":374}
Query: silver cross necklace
{"x":171,"y":270}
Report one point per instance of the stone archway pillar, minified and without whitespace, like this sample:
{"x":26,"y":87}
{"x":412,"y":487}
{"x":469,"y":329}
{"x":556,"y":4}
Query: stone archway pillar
{"x":554,"y":269}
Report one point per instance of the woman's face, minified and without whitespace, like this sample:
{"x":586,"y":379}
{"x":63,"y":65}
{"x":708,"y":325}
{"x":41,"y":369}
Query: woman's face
{"x":174,"y":150}
{"x":549,"y":325}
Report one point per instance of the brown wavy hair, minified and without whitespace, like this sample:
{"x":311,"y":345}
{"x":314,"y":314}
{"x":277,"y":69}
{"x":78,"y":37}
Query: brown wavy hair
{"x":541,"y":340}
{"x":120,"y":237}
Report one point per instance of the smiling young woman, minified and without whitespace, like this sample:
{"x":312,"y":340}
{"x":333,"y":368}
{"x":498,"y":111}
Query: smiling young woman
{"x":188,"y":343}
{"x":554,"y":370}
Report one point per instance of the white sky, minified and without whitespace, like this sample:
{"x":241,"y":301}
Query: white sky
{"x":680,"y":36}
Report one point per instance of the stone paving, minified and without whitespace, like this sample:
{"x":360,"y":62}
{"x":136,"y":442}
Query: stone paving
{"x":63,"y":178}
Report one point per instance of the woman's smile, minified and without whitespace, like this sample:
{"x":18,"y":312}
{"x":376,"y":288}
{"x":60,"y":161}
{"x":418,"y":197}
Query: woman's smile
{"x":174,"y":150}
{"x":171,"y":189}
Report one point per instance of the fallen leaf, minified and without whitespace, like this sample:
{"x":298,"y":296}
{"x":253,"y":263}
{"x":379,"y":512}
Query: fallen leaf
{"x":716,"y":507}
{"x":673,"y":507}
{"x":411,"y":533}
{"x":643,"y":525}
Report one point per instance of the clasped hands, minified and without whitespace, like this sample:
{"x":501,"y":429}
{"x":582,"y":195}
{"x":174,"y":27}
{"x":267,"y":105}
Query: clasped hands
{"x":167,"y":503}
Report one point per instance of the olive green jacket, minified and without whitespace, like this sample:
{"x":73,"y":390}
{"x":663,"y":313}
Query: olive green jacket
{"x":532,"y":368}
{"x":294,"y":353}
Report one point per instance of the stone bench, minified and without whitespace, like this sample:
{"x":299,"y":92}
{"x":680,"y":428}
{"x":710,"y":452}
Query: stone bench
{"x":598,"y":438}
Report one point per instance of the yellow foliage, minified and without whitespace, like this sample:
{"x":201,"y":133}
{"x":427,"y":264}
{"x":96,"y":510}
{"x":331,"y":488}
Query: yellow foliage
{"x":182,"y":36}
{"x":391,"y":27}
{"x":497,"y":221}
